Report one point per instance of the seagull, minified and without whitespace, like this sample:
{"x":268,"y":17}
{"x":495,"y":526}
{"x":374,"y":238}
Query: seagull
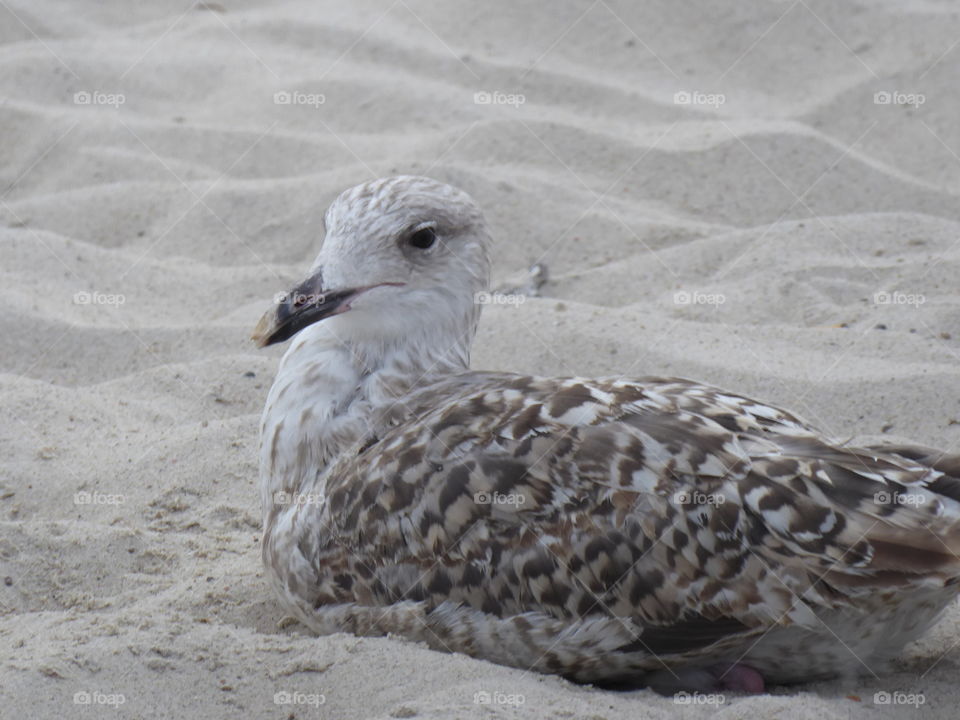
{"x":650,"y":532}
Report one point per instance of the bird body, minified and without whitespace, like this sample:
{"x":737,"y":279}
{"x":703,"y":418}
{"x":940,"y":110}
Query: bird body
{"x":650,"y":531}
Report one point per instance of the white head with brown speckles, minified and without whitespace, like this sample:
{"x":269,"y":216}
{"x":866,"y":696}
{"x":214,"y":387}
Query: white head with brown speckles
{"x":401,"y":264}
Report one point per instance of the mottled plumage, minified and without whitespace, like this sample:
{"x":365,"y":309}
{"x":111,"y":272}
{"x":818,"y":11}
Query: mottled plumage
{"x":653,"y":531}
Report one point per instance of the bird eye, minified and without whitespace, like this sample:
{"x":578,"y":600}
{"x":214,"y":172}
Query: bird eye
{"x":424,"y":238}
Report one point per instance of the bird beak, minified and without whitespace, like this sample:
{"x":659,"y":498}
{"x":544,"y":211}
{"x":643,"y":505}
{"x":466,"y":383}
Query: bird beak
{"x":306,"y":304}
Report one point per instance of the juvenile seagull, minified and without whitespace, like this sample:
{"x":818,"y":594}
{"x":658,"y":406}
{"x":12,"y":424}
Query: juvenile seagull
{"x":653,"y":531}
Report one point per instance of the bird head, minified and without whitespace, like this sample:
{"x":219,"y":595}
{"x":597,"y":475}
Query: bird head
{"x":402,"y":257}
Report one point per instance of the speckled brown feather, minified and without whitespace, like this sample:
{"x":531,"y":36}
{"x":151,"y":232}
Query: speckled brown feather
{"x":654,"y":506}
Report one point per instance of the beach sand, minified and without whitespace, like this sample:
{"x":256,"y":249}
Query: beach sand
{"x":758,"y":195}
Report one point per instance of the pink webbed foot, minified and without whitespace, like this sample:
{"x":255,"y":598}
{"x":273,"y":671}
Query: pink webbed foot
{"x":712,"y":679}
{"x":740,"y":678}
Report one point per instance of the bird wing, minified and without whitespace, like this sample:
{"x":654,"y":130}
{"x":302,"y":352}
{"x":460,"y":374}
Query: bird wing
{"x":695,"y":513}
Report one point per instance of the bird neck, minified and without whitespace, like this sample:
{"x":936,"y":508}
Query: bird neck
{"x":332,"y":397}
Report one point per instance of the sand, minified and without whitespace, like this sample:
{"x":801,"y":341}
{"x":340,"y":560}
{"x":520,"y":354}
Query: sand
{"x":759,"y":195}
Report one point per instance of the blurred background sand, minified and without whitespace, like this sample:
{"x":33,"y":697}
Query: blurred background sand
{"x":760,"y":195}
